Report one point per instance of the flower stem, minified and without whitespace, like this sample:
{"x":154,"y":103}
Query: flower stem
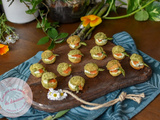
{"x":99,"y":7}
{"x":101,"y":12}
{"x":124,"y":16}
{"x":89,"y":13}
{"x":109,"y":9}
{"x":122,"y":2}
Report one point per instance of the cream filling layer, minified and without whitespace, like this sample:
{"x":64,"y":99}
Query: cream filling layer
{"x":45,"y":81}
{"x":72,"y":86}
{"x":119,"y":56}
{"x":101,"y":41}
{"x":113,"y":69}
{"x":137,"y":65}
{"x":97,"y":56}
{"x":70,"y":56}
{"x":73,"y":46}
{"x":36,"y":72}
{"x":86,"y":71}
{"x":49,"y":60}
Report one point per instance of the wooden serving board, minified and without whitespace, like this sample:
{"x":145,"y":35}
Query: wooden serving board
{"x":94,"y":87}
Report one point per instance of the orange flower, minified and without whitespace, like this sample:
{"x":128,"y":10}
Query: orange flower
{"x":3,"y":49}
{"x":93,"y":20}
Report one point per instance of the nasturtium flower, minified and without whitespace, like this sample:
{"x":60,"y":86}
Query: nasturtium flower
{"x":92,"y":20}
{"x":3,"y":49}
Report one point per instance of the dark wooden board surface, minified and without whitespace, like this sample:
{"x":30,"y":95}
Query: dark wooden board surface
{"x":94,"y":87}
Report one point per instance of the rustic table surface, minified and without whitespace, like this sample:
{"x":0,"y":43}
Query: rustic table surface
{"x":145,"y":34}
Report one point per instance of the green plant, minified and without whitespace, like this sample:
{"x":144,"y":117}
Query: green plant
{"x":7,"y":33}
{"x":48,"y":28}
{"x":141,"y":9}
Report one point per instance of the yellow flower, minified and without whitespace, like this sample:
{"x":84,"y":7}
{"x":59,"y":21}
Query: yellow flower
{"x":3,"y":49}
{"x":92,"y":20}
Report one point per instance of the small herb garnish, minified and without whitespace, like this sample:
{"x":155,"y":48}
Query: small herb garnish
{"x":104,"y":53}
{"x":77,"y":89}
{"x":109,"y":38}
{"x":83,"y":43}
{"x":122,"y":70}
{"x":145,"y":64}
{"x":125,"y":54}
{"x":101,"y":69}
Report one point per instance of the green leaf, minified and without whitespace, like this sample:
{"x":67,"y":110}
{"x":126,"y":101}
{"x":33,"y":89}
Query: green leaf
{"x":125,"y":54}
{"x":145,"y":64}
{"x":122,"y":70}
{"x":38,"y":25}
{"x":43,"y":22}
{"x":55,"y":24}
{"x":62,"y":35}
{"x":43,"y":40}
{"x":32,"y":11}
{"x":154,"y":11}
{"x":141,"y":15}
{"x":47,"y":26}
{"x":60,"y":114}
{"x":53,"y":33}
{"x":59,"y":41}
{"x":133,"y":5}
{"x":48,"y":118}
{"x":52,"y":45}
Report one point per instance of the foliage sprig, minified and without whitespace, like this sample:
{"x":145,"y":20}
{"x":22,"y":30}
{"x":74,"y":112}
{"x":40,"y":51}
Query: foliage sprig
{"x":48,"y":28}
{"x":141,"y":9}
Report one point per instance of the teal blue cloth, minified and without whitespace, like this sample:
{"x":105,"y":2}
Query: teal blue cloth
{"x":121,"y":111}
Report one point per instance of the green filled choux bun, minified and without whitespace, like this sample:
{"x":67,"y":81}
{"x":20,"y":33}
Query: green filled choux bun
{"x":100,"y":38}
{"x":118,"y":52}
{"x":37,"y":69}
{"x":48,"y":80}
{"x":76,"y":83}
{"x":64,"y":69}
{"x":75,"y":56}
{"x":48,"y":57}
{"x":115,"y":68}
{"x":136,"y":61}
{"x":75,"y":42}
{"x":97,"y":53}
{"x":91,"y":70}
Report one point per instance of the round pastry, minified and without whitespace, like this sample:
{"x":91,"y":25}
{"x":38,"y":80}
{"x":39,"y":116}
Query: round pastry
{"x":119,"y":52}
{"x":37,"y":70}
{"x":75,"y":42}
{"x":75,"y":56}
{"x":115,"y":68}
{"x":100,"y":38}
{"x":64,"y":69}
{"x":136,"y":61}
{"x":76,"y":83}
{"x":91,"y":70}
{"x":48,"y":57}
{"x":98,"y":53}
{"x":49,"y":80}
